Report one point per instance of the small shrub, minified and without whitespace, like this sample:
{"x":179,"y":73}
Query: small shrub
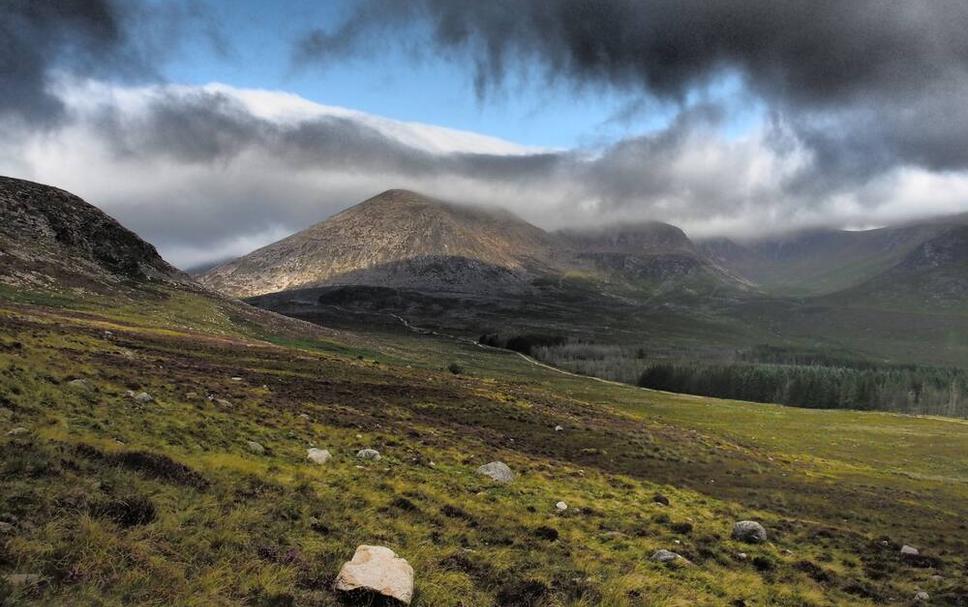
{"x":127,"y":511}
{"x":522,"y":593}
{"x":455,"y":368}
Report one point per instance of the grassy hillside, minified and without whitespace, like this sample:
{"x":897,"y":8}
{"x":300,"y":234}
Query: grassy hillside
{"x":114,"y":501}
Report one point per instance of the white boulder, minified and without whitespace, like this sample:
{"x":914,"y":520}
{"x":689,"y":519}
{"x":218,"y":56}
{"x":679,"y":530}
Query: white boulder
{"x":320,"y":456}
{"x":377,"y":569}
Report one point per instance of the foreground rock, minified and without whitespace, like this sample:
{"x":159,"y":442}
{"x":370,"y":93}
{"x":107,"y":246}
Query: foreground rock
{"x":255,"y":447}
{"x":750,"y":532}
{"x":377,"y":569}
{"x":320,"y":456}
{"x":497,"y":471}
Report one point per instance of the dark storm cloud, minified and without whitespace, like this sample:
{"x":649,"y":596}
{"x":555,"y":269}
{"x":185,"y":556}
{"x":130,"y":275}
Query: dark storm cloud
{"x":115,"y":39}
{"x":864,"y":81}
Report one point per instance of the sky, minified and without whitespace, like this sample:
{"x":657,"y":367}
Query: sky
{"x":214,"y":127}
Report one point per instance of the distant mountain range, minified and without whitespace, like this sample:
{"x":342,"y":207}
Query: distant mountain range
{"x":892,"y":295}
{"x":406,"y":240}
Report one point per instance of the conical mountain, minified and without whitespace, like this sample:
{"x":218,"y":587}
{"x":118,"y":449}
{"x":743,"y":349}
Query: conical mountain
{"x":398,"y":238}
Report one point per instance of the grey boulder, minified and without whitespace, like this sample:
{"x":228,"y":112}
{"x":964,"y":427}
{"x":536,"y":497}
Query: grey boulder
{"x":497,"y":471}
{"x":372,"y":454}
{"x":750,"y":532}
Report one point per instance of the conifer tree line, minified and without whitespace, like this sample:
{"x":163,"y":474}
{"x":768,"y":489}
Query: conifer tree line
{"x":771,"y":374}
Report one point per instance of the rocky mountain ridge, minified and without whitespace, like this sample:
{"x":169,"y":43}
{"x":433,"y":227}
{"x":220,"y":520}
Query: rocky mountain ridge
{"x":49,"y":235}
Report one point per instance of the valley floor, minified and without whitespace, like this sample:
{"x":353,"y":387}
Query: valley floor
{"x":111,"y":501}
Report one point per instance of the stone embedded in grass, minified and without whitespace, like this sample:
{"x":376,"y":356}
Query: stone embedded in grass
{"x":559,"y":428}
{"x":497,"y":471}
{"x":255,"y":447}
{"x":665,"y":556}
{"x":921,"y":596}
{"x":80,"y":384}
{"x":143,"y":398}
{"x":372,"y":454}
{"x":320,"y":456}
{"x":561,"y":506}
{"x":17,"y":431}
{"x":750,"y":532}
{"x":379,"y":570}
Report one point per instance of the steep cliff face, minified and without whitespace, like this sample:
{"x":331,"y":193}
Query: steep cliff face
{"x":398,"y":238}
{"x":49,"y":235}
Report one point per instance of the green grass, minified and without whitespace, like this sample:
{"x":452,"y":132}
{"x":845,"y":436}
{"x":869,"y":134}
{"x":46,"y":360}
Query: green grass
{"x":229,"y":527}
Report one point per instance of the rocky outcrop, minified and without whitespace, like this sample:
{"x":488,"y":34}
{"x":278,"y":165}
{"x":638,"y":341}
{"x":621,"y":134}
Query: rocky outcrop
{"x":48,"y":235}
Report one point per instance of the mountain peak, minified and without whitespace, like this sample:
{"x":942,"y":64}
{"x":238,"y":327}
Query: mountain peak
{"x":396,"y":238}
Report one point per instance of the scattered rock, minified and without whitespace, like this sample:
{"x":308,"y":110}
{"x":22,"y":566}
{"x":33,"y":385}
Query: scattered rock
{"x":255,"y":447}
{"x":78,"y":383}
{"x":742,"y":556}
{"x":664,"y":556}
{"x":497,"y":471}
{"x":909,"y":551}
{"x":921,"y":596}
{"x":304,"y":416}
{"x":658,"y":498}
{"x":143,"y":398}
{"x":750,"y":532}
{"x":191,"y":396}
{"x":368,"y":454}
{"x":558,"y":428}
{"x":320,"y":456}
{"x":236,"y":379}
{"x":377,"y":569}
{"x":561,"y":506}
{"x":223,"y":402}
{"x":17,"y":431}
